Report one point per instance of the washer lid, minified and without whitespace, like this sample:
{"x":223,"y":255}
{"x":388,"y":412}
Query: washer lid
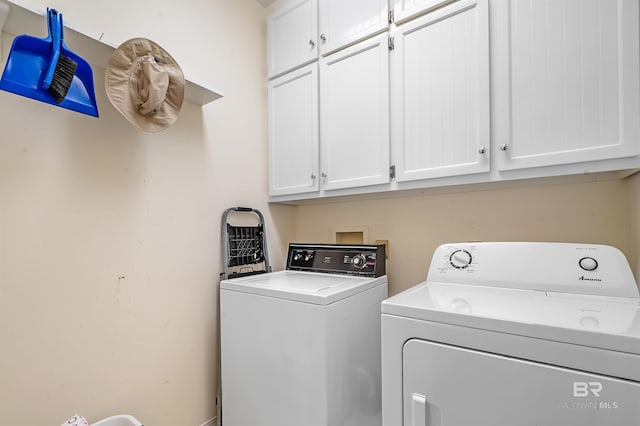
{"x":308,"y":287}
{"x":596,"y":321}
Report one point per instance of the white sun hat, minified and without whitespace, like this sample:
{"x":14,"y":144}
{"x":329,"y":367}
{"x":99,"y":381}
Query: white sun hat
{"x":145,"y":84}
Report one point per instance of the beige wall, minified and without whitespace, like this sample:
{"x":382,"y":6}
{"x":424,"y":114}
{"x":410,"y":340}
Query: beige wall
{"x":634,"y":199}
{"x":109,"y":237}
{"x":415,"y":225}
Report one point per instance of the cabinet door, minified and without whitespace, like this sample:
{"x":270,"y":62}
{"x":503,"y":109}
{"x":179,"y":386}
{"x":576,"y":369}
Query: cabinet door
{"x":292,"y":33}
{"x":354,"y":115}
{"x":405,"y":9}
{"x":346,"y":22}
{"x":293,"y":132}
{"x":440,"y":93}
{"x":568,"y":79}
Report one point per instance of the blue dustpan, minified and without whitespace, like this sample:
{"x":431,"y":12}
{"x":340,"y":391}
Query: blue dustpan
{"x":28,"y":64}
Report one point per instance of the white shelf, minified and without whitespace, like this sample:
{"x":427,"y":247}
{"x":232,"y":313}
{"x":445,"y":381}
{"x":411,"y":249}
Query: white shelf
{"x":25,"y":21}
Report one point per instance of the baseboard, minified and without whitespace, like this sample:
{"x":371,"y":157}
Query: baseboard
{"x":211,"y":422}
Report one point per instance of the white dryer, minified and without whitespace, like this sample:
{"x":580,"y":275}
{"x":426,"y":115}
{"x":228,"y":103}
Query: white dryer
{"x":301,"y":347}
{"x":515,"y":334}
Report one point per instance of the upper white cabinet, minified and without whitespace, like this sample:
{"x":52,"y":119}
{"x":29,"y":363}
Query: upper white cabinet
{"x":405,"y":9}
{"x":568,"y":72}
{"x":472,"y":91}
{"x":293,"y":132}
{"x":346,"y":22}
{"x":354,"y":115}
{"x":440,"y":93}
{"x":292,"y":36}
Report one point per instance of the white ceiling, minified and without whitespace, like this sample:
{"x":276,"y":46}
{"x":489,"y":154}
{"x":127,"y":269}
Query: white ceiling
{"x":265,"y":3}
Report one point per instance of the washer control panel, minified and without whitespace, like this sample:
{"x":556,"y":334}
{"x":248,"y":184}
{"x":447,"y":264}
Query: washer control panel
{"x":552,"y":267}
{"x":364,"y":260}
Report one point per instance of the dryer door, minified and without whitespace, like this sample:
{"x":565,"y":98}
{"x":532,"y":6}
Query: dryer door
{"x":449,"y":386}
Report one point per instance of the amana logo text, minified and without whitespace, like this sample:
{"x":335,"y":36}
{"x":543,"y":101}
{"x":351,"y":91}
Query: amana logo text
{"x":583,"y":278}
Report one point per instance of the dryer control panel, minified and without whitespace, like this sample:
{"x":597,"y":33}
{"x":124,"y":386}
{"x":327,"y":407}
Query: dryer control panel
{"x":552,"y":267}
{"x":362,"y":260}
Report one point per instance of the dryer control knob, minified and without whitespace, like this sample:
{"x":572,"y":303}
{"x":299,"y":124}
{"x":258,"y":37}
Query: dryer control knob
{"x":460,"y":259}
{"x":588,"y":263}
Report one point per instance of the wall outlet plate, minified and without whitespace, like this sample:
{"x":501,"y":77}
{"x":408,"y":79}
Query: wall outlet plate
{"x":386,"y":246}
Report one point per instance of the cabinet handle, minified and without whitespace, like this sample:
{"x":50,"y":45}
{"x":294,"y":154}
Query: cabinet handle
{"x":503,"y":147}
{"x":313,"y":177}
{"x":323,"y":37}
{"x":324,"y":175}
{"x":482,"y":150}
{"x":312,"y":43}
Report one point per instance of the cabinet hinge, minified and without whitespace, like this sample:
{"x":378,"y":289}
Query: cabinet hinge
{"x":392,"y":43}
{"x":392,"y":172}
{"x":392,"y":17}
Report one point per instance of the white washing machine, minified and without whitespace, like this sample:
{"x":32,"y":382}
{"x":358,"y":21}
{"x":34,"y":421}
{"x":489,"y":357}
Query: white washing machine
{"x":515,"y":334}
{"x":301,"y":347}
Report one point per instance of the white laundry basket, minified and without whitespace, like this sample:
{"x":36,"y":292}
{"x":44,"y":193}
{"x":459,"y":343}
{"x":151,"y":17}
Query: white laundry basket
{"x":119,"y":420}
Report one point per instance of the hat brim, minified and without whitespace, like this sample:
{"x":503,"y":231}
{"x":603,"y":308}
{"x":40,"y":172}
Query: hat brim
{"x":119,"y":71}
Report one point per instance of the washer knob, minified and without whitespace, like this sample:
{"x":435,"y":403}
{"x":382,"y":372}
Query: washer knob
{"x":588,"y":263}
{"x":359,"y":261}
{"x":460,"y":259}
